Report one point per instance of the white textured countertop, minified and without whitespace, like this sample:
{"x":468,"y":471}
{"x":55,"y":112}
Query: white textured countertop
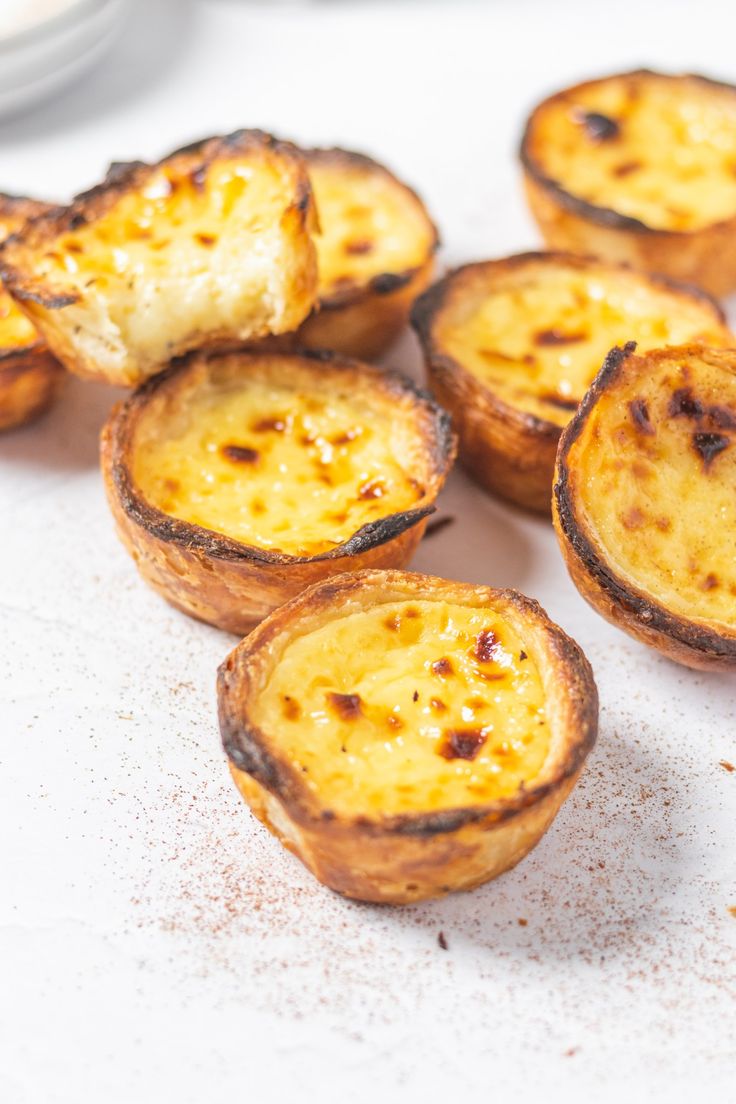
{"x":156,"y":944}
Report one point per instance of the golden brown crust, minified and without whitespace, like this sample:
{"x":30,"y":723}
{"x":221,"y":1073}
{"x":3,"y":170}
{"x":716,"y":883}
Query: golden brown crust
{"x":410,"y":856}
{"x":598,"y":579}
{"x":363,"y":317}
{"x":234,"y":585}
{"x":30,"y":379}
{"x":30,"y":376}
{"x":54,"y":305}
{"x":704,"y":256}
{"x":509,"y":451}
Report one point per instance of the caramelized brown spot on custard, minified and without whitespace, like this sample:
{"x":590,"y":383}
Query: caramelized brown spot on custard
{"x":664,"y":524}
{"x":710,"y":582}
{"x":345,"y":438}
{"x":461,"y":743}
{"x":393,"y":622}
{"x":709,"y":445}
{"x":206,"y":239}
{"x":598,"y":127}
{"x":633,"y":518}
{"x":522,"y":656}
{"x":411,"y":613}
{"x":626,"y":168}
{"x":359,"y":247}
{"x":74,"y":247}
{"x":393,"y":721}
{"x":486,"y":646}
{"x":257,"y":506}
{"x":558,"y":337}
{"x":722,"y":417}
{"x":684,"y":405}
{"x":374,"y":488}
{"x":641,"y":470}
{"x":438,"y":705}
{"x":348,"y":706}
{"x":239,"y":454}
{"x":640,"y":416}
{"x":292,"y":709}
{"x":415,"y":696}
{"x":442,"y":667}
{"x":269,"y":425}
{"x":171,"y":485}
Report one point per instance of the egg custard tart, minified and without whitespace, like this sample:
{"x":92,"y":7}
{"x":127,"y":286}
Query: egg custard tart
{"x":511,"y":347}
{"x":375,"y":253}
{"x":406,"y":736}
{"x":238,"y":479}
{"x":639,"y":167}
{"x":209,"y":247}
{"x":29,"y":375}
{"x":645,"y":500}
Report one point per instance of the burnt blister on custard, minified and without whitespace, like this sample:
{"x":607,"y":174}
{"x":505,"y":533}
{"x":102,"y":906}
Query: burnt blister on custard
{"x":640,"y":416}
{"x":347,"y":706}
{"x":709,"y":445}
{"x":462,"y":743}
{"x":598,"y":127}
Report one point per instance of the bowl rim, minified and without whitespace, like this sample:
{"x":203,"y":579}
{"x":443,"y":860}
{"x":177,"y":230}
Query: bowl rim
{"x":73,"y":12}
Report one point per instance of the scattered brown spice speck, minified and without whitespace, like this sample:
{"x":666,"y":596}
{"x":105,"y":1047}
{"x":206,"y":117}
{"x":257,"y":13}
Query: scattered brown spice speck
{"x":522,"y":922}
{"x":442,"y":941}
{"x":726,"y":765}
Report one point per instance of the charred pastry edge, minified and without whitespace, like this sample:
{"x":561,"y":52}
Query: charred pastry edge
{"x":607,"y":216}
{"x":219,"y":546}
{"x":246,"y":746}
{"x":429,"y":306}
{"x":23,"y":207}
{"x":123,"y":177}
{"x":16,"y":360}
{"x":652,"y":616}
{"x":383,"y":283}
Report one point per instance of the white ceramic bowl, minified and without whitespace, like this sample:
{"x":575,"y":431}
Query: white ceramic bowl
{"x":45,"y":44}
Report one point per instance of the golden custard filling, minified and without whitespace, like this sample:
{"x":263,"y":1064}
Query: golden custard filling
{"x":282,"y":469}
{"x":537,"y":335}
{"x":198,"y":249}
{"x":370,"y":224}
{"x":410,"y":706}
{"x":15,"y":329}
{"x":655,"y":149}
{"x":660,"y":497}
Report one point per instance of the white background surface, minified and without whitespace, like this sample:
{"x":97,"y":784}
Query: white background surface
{"x":156,"y":944}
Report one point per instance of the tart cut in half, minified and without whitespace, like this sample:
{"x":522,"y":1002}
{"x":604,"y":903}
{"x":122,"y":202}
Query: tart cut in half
{"x":211,"y":246}
{"x":645,"y":500}
{"x":511,"y":346}
{"x":238,"y":479}
{"x":375,"y":253}
{"x":29,"y":375}
{"x":406,"y":736}
{"x":639,"y":167}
